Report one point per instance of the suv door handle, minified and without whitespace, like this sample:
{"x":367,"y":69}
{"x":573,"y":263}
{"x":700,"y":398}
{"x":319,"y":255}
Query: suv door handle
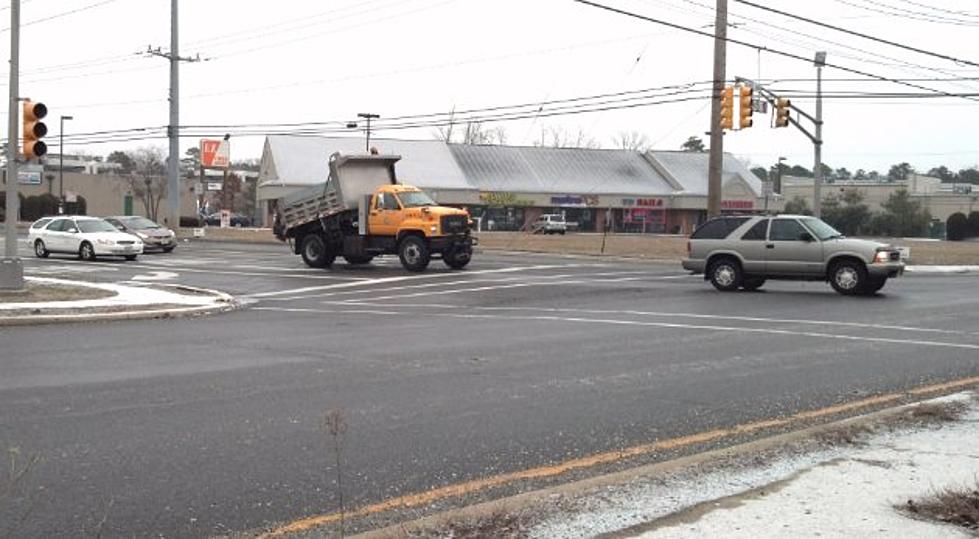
{"x":769,"y":245}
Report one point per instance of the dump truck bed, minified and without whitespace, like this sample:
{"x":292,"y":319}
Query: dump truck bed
{"x":351,"y":178}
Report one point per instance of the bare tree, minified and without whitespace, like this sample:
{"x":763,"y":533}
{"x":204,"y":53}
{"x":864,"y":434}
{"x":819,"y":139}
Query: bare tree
{"x":147,"y":179}
{"x":558,"y":137}
{"x":631,"y":140}
{"x":472,"y":132}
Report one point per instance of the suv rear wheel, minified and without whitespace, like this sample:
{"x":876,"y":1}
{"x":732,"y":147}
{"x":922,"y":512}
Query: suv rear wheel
{"x":848,"y":277}
{"x":725,"y":274}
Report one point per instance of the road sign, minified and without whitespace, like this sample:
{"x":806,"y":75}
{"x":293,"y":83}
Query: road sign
{"x":25,"y":177}
{"x":766,"y":189}
{"x":215,"y":153}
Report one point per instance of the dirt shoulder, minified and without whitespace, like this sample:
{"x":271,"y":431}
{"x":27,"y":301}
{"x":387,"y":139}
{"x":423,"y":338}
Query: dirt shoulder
{"x":645,"y":246}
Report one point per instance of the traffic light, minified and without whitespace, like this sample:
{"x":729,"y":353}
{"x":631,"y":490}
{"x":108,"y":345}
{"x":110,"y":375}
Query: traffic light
{"x":782,"y":109}
{"x":727,"y":108}
{"x":746,"y":109}
{"x":34,"y":129}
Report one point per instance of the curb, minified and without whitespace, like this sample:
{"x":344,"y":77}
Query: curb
{"x":223,"y":303}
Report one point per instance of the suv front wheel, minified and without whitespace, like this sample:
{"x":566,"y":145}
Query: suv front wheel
{"x":725,"y":274}
{"x":848,"y":277}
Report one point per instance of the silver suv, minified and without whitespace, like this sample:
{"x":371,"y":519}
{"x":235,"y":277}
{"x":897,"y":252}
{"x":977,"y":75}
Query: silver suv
{"x":742,"y":252}
{"x":550,"y":223}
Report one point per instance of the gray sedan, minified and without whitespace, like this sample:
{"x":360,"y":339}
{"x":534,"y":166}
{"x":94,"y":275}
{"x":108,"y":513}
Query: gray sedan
{"x":154,"y":236}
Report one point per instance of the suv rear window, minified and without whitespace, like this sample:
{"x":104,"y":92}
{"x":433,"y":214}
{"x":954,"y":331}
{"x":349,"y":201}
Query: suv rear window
{"x":718,"y":229}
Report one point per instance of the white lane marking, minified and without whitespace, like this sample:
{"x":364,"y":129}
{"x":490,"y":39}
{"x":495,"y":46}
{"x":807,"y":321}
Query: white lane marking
{"x":130,"y":265}
{"x":858,"y":325}
{"x":524,"y":278}
{"x":156,"y":276}
{"x":383,"y":280}
{"x":517,"y":285}
{"x":667,"y":325}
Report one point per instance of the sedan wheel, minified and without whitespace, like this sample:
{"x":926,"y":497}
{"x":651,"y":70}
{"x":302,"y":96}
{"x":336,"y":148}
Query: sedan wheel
{"x":86,"y":251}
{"x":40,"y":250}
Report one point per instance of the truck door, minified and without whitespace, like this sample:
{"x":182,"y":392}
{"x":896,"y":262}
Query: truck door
{"x":385,"y":215}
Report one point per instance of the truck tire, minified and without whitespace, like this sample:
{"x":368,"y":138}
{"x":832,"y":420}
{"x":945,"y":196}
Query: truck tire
{"x":314,"y":252}
{"x":414,"y":253}
{"x":457,"y":259}
{"x":352,"y":259}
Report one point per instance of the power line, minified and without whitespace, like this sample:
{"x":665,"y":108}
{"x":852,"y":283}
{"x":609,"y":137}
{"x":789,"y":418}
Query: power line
{"x":907,"y":13}
{"x":63,"y":14}
{"x":858,"y":34}
{"x":758,"y":47}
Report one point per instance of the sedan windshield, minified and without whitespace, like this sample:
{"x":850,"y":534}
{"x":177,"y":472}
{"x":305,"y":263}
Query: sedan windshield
{"x":139,"y":223}
{"x":414,"y":199}
{"x":93,"y":225}
{"x":821,"y":229}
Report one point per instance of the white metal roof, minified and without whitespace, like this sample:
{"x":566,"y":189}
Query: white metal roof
{"x":689,"y":169}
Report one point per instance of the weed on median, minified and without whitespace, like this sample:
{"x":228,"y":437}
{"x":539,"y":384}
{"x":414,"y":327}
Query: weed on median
{"x":958,"y":506}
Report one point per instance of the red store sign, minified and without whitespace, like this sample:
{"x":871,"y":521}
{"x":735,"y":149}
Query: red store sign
{"x":737,"y":204}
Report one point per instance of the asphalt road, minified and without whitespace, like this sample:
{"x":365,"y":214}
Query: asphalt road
{"x":200,"y":426}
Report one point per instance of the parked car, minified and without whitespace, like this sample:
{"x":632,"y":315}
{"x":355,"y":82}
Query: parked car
{"x":87,"y":237}
{"x":237,"y":220}
{"x":154,"y":236}
{"x":742,"y":252}
{"x":550,"y":223}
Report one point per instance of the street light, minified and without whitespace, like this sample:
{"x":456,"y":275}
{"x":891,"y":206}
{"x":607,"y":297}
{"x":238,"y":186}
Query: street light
{"x":61,"y":164}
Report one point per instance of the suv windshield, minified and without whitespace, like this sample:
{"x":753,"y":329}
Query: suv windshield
{"x":92,"y":225}
{"x":821,"y":229}
{"x":139,"y":223}
{"x":414,"y":199}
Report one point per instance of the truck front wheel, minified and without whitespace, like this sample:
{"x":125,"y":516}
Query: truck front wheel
{"x":457,"y":258}
{"x":414,"y":253}
{"x":314,"y":252}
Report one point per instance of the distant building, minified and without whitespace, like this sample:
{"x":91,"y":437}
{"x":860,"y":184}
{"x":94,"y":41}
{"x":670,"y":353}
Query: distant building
{"x":940,"y":199}
{"x":508,"y":187}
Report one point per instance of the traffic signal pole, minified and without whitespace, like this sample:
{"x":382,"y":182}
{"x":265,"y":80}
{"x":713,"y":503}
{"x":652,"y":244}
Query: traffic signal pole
{"x":715,"y":161}
{"x":11,"y":268}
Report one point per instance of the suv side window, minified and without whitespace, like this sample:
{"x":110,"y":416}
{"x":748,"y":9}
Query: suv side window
{"x":757,"y":232}
{"x":718,"y":229}
{"x":786,"y":230}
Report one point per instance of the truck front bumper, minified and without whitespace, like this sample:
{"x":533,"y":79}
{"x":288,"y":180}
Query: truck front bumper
{"x":445,"y":243}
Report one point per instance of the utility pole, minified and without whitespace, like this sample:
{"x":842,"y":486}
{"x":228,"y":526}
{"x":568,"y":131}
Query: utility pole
{"x":715,"y":162}
{"x":368,"y":116}
{"x":11,"y":267}
{"x":173,"y":129}
{"x":817,"y":173}
{"x":61,"y":164}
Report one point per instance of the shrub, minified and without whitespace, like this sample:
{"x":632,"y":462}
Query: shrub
{"x":190,"y":222}
{"x":974,"y":224}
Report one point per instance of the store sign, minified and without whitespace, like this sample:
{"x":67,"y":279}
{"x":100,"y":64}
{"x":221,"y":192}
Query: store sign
{"x":640,"y":216}
{"x":570,"y":200}
{"x":737,"y":204}
{"x":215,"y":153}
{"x":503,"y":199}
{"x":650,"y":202}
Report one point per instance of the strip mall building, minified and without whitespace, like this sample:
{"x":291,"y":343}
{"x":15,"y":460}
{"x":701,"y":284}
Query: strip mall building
{"x":508,"y":187}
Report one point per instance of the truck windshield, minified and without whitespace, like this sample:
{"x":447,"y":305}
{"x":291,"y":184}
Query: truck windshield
{"x":414,"y":199}
{"x":821,"y":229}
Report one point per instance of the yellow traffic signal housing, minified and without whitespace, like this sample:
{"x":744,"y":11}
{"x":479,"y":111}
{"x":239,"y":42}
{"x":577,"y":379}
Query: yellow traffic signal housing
{"x":727,"y":108}
{"x":34,"y":129}
{"x":746,"y":109}
{"x":782,"y":109}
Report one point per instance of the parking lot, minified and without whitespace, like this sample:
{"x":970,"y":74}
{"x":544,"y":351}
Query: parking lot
{"x":208,"y":425}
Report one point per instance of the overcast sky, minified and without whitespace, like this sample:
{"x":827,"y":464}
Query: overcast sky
{"x":297,"y":61}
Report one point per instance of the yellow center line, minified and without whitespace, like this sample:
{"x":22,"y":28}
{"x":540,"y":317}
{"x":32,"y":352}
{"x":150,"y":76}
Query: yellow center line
{"x":468,"y":487}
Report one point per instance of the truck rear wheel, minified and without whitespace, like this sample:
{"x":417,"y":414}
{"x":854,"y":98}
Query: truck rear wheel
{"x":314,"y":252}
{"x":414,"y":253}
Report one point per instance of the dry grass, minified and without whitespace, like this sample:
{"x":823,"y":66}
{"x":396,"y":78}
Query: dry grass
{"x":939,"y":412}
{"x":48,"y":292}
{"x":958,"y":506}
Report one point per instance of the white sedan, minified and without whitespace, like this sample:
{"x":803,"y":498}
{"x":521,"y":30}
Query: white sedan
{"x":87,"y":237}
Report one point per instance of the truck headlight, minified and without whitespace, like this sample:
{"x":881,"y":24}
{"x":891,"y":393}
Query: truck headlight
{"x":434,"y":228}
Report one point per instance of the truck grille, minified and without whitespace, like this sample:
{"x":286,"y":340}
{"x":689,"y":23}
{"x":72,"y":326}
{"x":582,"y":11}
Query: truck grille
{"x":454,"y":224}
